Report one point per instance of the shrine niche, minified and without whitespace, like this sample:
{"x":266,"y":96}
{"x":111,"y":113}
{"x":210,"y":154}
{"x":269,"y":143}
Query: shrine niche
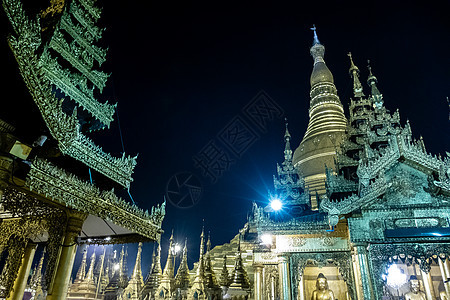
{"x":310,"y":269}
{"x":413,"y":272}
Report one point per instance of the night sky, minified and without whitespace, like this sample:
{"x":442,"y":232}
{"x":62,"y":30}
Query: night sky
{"x":182,"y":72}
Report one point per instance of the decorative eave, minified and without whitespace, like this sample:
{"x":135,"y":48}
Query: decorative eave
{"x":263,"y":223}
{"x":64,"y":128}
{"x":372,"y":181}
{"x":70,"y":191}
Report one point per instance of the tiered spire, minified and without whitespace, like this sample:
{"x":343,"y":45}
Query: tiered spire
{"x":36,"y":279}
{"x":198,"y":289}
{"x":326,"y":127}
{"x":182,"y":278}
{"x":287,"y":147}
{"x":354,"y":73}
{"x":90,"y":274}
{"x":123,"y":268}
{"x":224,"y":275}
{"x":82,"y":269}
{"x":211,"y":281}
{"x":375,"y":92}
{"x":239,"y":277}
{"x":136,"y":283}
{"x":167,"y":285}
{"x":154,"y":276}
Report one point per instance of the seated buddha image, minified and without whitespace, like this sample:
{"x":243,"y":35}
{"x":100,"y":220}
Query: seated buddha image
{"x":322,"y":292}
{"x":414,"y":293}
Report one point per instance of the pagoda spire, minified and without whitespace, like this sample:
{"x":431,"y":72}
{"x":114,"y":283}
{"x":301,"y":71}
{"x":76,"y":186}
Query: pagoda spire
{"x":287,"y":148}
{"x":239,"y":278}
{"x":326,"y":126}
{"x":182,"y":278}
{"x":154,"y":276}
{"x":211,"y":281}
{"x":137,"y":272}
{"x":375,"y":92}
{"x":123,"y":269}
{"x":354,"y":73}
{"x":200,"y":275}
{"x":168,"y":273}
{"x":167,"y":285}
{"x":36,"y":279}
{"x":224,"y":275}
{"x":82,"y":269}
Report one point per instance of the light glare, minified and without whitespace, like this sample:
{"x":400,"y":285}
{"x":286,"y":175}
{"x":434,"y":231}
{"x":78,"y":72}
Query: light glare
{"x":395,"y":277}
{"x":276,"y":204}
{"x":266,"y":239}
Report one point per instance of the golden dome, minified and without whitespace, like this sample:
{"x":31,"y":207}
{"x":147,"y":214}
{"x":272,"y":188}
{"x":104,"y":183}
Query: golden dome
{"x":321,"y":73}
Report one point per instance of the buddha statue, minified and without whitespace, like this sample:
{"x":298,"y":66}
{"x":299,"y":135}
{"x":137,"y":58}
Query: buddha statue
{"x":322,"y":292}
{"x":414,"y":293}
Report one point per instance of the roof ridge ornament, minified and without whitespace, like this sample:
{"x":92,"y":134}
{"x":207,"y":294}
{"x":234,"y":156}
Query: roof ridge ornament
{"x":354,"y":73}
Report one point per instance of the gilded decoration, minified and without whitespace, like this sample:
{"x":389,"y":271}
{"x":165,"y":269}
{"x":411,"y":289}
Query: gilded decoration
{"x":35,"y":218}
{"x":65,"y":188}
{"x":383,"y":255}
{"x":342,"y":260}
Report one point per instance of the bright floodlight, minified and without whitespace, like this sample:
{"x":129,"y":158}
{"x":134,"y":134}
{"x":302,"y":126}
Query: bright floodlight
{"x":266,"y":239}
{"x":108,"y":238}
{"x":395,"y":277}
{"x":177,"y":248}
{"x":276,"y":204}
{"x":116,"y":267}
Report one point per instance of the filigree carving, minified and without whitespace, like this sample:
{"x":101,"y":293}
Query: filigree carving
{"x":65,"y":188}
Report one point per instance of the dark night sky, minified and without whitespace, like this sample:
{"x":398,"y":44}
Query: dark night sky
{"x":181,"y":72}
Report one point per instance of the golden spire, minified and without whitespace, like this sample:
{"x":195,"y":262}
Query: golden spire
{"x":326,"y":126}
{"x":224,"y":276}
{"x":169,"y":269}
{"x":137,"y":272}
{"x":375,"y":93}
{"x":82,"y":269}
{"x":182,"y":278}
{"x":36,"y":280}
{"x":354,"y":73}
{"x":200,"y":275}
{"x":239,"y":277}
{"x":90,"y":274}
{"x":211,"y":281}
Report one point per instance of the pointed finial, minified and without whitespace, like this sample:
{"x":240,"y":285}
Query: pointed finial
{"x":372,"y":82}
{"x":316,"y":38}
{"x":354,"y":73}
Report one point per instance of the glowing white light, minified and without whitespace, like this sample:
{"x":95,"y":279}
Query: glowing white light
{"x":266,"y":239}
{"x":116,"y":267}
{"x":395,"y":277}
{"x":107,"y":238}
{"x":89,"y":240}
{"x":177,"y":248}
{"x":276,"y":204}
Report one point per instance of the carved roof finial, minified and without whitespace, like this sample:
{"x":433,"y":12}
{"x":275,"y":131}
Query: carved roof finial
{"x":372,"y":82}
{"x":354,"y":73}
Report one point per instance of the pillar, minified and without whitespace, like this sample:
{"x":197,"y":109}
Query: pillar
{"x":258,"y":282}
{"x":285,"y":284}
{"x":427,"y":282}
{"x":301,"y":287}
{"x":366,"y":280}
{"x":66,"y":257}
{"x":356,"y":271}
{"x":441,"y":261}
{"x":22,"y":275}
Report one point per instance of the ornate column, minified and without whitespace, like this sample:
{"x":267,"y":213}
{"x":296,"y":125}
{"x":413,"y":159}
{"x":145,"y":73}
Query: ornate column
{"x":366,"y":280}
{"x":441,"y":260}
{"x":66,"y":257}
{"x":425,"y":269}
{"x":22,"y":275}
{"x":301,"y":288}
{"x":356,"y":271}
{"x":285,"y":284}
{"x":258,"y":282}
